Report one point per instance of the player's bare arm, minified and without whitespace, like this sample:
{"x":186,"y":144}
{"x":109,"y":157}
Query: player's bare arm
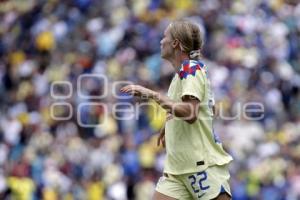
{"x":187,"y":109}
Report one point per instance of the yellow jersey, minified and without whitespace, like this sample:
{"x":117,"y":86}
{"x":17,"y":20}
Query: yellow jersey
{"x":192,"y":147}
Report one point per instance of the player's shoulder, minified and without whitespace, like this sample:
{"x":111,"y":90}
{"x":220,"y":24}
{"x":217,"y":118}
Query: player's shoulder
{"x":190,"y":68}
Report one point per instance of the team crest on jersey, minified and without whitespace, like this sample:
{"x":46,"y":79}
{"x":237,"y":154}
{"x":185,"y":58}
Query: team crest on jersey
{"x":189,"y":67}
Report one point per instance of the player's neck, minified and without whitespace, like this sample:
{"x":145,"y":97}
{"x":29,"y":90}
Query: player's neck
{"x":177,"y":61}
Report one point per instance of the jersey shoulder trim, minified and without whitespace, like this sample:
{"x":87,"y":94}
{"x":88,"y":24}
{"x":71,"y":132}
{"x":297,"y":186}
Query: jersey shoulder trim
{"x":189,"y":67}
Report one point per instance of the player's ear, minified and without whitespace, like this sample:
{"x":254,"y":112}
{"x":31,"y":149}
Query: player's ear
{"x":175,"y":43}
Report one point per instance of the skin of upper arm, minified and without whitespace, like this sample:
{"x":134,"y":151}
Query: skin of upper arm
{"x":194,"y":104}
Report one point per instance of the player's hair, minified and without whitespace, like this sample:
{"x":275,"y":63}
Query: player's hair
{"x":189,"y":36}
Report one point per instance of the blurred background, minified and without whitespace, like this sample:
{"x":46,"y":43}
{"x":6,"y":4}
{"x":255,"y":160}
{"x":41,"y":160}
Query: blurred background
{"x":252,"y":53}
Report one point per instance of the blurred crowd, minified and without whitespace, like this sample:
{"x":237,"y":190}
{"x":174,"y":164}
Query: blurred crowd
{"x":62,"y":64}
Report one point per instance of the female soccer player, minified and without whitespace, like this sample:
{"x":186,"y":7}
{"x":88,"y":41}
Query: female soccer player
{"x":196,"y":165}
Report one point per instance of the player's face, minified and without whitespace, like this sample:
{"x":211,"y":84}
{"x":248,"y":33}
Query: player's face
{"x":165,"y":44}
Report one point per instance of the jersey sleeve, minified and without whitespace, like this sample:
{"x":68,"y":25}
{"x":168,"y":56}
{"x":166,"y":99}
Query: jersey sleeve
{"x":193,"y":84}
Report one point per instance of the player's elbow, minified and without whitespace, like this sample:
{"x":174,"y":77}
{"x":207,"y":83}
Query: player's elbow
{"x":191,"y":119}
